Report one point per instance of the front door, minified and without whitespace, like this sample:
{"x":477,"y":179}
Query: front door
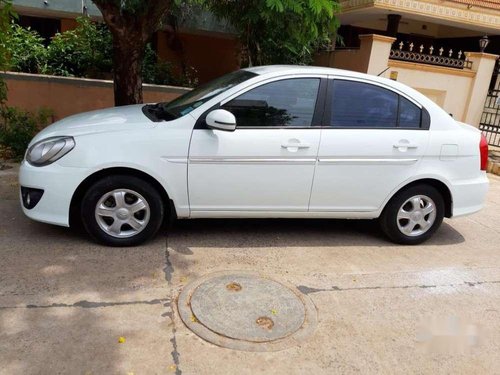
{"x":267,"y":163}
{"x":372,"y":142}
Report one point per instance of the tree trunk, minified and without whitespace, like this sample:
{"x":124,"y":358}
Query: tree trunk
{"x":131,"y":27}
{"x":127,"y":74}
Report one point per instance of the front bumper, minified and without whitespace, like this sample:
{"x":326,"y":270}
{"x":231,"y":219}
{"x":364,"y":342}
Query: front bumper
{"x":58,"y":184}
{"x":30,"y":197}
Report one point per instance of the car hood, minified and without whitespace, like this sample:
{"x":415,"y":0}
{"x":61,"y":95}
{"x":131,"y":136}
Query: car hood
{"x":104,"y":120}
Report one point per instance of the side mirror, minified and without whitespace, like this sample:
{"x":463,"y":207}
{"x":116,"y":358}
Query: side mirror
{"x":221,"y":119}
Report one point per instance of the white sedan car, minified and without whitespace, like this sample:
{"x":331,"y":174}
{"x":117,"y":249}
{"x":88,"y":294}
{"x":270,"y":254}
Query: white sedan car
{"x":264,"y":142}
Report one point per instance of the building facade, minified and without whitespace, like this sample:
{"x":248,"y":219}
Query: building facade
{"x":446,"y":49}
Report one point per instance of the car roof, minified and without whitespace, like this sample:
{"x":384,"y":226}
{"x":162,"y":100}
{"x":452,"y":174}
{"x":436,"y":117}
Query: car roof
{"x":301,"y":69}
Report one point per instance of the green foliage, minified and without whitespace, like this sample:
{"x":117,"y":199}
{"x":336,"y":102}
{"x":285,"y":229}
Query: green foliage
{"x":5,"y":15}
{"x":18,"y":127}
{"x":154,"y":71}
{"x":86,"y":51}
{"x":279,"y":31}
{"x":83,"y":52}
{"x":162,"y":72}
{"x":27,"y":52}
{"x":18,"y":48}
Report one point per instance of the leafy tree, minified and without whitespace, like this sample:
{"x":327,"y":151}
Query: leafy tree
{"x":132,"y":24}
{"x":279,"y":31}
{"x":5,"y":16}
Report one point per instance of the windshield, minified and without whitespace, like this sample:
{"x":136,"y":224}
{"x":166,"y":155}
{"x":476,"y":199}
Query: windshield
{"x":193,"y":99}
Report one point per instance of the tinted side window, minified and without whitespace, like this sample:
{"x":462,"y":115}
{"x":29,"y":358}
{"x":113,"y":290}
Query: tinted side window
{"x":289,"y":102}
{"x":362,"y":105}
{"x":409,"y":114}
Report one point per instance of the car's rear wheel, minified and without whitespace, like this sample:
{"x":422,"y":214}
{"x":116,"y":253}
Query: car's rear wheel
{"x":122,"y":210}
{"x":413,"y":215}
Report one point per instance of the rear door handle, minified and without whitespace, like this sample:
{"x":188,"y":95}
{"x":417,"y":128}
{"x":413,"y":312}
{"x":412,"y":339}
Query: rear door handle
{"x":404,"y":146}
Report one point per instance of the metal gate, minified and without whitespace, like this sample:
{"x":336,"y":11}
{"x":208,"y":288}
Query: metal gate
{"x":490,"y":120}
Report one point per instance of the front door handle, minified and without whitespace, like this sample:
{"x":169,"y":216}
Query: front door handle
{"x":295,"y":145}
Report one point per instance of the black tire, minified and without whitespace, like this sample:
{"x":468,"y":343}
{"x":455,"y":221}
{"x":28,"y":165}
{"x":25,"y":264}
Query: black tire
{"x":156,"y":209}
{"x":389,"y":221}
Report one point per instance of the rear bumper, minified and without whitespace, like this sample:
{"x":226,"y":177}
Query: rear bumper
{"x":58,"y":184}
{"x":469,"y":196}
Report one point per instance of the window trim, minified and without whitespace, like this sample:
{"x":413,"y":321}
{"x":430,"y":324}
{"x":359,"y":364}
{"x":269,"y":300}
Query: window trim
{"x":424,"y":116}
{"x":319,"y":109}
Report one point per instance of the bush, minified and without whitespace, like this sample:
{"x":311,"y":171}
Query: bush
{"x":26,"y":51}
{"x":159,"y":72}
{"x":86,"y":51}
{"x":83,"y":52}
{"x":152,"y":72}
{"x":18,"y":127}
{"x":5,"y":15}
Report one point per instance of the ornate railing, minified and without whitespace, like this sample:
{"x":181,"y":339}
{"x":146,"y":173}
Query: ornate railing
{"x":430,"y":56}
{"x":493,"y":4}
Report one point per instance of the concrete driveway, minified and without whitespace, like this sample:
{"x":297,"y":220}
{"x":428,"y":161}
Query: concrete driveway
{"x":382,"y":308}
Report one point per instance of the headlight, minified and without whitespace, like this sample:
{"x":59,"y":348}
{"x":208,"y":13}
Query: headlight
{"x":49,"y":150}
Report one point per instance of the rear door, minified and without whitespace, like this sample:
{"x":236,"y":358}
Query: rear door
{"x":372,"y":140}
{"x":267,"y":163}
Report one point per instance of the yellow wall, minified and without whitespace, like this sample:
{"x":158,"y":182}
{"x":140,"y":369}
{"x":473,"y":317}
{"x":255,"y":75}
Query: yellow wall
{"x":450,"y":88}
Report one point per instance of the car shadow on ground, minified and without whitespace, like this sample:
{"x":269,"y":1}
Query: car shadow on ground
{"x":264,"y":233}
{"x":233,"y":233}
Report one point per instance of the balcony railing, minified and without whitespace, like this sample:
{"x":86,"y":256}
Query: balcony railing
{"x":492,"y":4}
{"x":430,"y":55}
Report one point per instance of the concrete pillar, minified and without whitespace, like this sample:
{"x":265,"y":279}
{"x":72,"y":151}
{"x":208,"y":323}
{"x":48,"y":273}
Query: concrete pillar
{"x":483,"y":64}
{"x":393,"y":24}
{"x":374,"y":53}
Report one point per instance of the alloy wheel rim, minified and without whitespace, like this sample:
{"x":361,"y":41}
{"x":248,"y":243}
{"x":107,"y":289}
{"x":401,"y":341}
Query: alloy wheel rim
{"x":416,"y":215}
{"x":122,"y":213}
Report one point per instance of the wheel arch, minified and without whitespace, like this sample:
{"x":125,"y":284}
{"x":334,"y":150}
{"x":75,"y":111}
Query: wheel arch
{"x":74,"y":210}
{"x":438,"y":185}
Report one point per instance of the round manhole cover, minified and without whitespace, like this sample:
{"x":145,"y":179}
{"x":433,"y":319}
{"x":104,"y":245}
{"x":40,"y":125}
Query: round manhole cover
{"x":246,"y":311}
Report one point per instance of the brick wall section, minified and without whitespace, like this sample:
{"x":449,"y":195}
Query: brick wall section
{"x":67,"y":96}
{"x":211,"y":55}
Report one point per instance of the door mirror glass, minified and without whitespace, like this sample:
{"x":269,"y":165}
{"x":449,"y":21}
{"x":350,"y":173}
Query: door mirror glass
{"x":221,"y":119}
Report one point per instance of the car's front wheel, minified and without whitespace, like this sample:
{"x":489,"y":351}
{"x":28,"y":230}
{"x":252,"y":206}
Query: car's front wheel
{"x":122,"y":210}
{"x":413,"y":215}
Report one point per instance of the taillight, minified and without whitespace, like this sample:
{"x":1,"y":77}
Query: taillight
{"x":483,"y":150}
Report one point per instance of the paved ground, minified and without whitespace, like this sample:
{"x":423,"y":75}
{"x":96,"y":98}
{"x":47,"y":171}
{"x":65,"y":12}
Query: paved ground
{"x":435,"y":308}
